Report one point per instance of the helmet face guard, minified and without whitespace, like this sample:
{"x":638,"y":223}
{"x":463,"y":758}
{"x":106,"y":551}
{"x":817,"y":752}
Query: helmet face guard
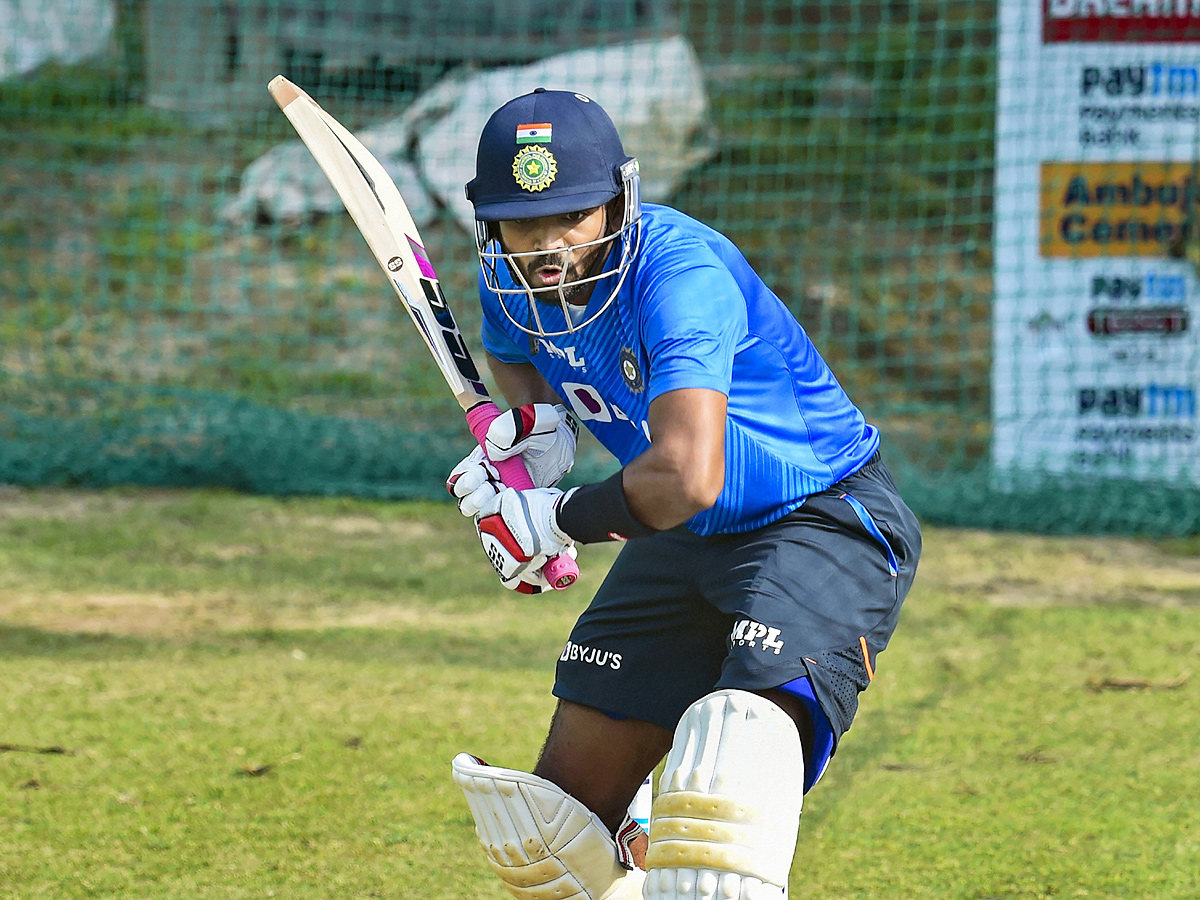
{"x":547,"y":153}
{"x":613,"y":263}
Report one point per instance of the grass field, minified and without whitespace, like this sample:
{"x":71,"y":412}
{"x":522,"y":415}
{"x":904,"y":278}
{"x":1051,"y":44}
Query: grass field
{"x":209,"y":695}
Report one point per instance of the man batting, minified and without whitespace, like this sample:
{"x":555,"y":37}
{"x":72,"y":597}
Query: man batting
{"x":767,"y":551}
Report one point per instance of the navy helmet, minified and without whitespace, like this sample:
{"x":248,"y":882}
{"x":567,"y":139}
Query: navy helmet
{"x":546,"y":153}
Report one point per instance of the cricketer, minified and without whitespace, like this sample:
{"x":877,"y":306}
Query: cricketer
{"x":767,"y":551}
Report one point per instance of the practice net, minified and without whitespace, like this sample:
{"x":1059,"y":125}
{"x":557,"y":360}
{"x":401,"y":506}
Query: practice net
{"x":183,"y":302}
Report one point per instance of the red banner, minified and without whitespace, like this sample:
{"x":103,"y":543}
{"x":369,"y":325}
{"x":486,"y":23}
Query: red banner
{"x":1120,"y":21}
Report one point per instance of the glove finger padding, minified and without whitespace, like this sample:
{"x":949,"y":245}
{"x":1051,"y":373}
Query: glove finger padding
{"x":519,"y":530}
{"x":531,"y":584}
{"x":543,"y":435}
{"x":474,"y":482}
{"x":534,"y":582}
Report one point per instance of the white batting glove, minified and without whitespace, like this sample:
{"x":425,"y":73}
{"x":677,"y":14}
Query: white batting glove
{"x":519,"y":531}
{"x":543,"y":435}
{"x":473,"y":482}
{"x":532,"y":582}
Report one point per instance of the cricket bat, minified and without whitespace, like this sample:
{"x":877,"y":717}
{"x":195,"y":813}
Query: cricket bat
{"x":383,"y":219}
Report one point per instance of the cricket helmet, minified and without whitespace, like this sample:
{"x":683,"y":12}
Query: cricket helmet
{"x":547,"y":153}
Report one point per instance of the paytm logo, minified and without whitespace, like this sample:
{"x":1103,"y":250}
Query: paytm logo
{"x":1151,"y":286}
{"x":1123,"y":311}
{"x":1162,"y":401}
{"x":1155,"y":80}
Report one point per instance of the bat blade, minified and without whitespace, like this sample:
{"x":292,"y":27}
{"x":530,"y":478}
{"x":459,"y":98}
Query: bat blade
{"x":383,"y":219}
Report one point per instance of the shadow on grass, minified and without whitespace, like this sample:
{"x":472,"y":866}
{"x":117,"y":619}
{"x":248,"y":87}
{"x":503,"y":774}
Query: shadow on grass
{"x":25,"y":641}
{"x":409,"y":647}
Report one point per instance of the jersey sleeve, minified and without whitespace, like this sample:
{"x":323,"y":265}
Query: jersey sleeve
{"x":496,"y":339}
{"x":691,"y":320}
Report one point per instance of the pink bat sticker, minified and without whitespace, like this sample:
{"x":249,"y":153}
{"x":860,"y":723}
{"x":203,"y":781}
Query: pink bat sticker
{"x":422,"y":260}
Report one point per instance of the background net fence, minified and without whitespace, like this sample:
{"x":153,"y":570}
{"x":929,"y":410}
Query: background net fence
{"x":180,"y":304}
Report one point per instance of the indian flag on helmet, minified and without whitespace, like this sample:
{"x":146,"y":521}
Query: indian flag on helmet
{"x":534,"y":133}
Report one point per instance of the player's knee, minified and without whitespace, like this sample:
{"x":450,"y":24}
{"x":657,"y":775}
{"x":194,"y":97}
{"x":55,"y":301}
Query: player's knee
{"x":728,"y":807}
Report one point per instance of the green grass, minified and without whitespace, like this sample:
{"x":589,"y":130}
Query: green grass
{"x":260,"y":697}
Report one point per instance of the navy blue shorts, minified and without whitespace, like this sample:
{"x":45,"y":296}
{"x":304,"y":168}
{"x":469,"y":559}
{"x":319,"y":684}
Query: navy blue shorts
{"x":815,"y":594}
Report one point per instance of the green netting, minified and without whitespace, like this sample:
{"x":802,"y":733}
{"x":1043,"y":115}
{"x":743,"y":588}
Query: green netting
{"x":150,"y":336}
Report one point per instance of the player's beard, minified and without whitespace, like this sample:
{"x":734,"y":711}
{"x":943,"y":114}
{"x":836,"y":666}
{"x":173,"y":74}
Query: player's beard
{"x":573,"y":271}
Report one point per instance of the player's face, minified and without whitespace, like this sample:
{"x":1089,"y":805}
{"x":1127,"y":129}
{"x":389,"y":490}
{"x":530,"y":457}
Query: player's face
{"x":552,"y":264}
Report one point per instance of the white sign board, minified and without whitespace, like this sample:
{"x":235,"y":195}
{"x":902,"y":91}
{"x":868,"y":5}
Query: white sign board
{"x":1097,"y":239}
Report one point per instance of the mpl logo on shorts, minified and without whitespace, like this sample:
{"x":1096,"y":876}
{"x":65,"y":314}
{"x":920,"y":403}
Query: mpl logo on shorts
{"x":748,"y":633}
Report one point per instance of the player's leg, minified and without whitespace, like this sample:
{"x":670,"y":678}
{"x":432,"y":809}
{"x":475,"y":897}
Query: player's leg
{"x":600,"y":759}
{"x":643,"y":650}
{"x":563,"y":831}
{"x":728,"y":808}
{"x":817,"y":594}
{"x":815,"y":598}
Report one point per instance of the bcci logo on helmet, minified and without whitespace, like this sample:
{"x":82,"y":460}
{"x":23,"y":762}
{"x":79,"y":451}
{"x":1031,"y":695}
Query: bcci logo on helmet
{"x":535,"y":168}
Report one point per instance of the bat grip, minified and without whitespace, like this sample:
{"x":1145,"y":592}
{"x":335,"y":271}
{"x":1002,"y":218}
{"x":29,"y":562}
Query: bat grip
{"x":561,"y":571}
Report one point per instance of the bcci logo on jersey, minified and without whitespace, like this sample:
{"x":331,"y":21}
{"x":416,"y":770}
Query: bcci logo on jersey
{"x":748,"y":633}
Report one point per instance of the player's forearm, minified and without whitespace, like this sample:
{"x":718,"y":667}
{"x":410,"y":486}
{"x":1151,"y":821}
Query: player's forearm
{"x":521,"y":383}
{"x":679,"y":475}
{"x":683,"y":470}
{"x":665,"y":489}
{"x":655,"y":492}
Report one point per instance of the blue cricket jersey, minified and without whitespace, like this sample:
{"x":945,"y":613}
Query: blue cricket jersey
{"x":693,"y":314}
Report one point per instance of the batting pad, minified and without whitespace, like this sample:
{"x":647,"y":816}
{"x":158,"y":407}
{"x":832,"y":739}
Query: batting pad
{"x":543,"y":843}
{"x":724,"y":824}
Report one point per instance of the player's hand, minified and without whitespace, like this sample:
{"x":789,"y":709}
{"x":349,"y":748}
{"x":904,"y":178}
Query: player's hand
{"x":519,"y":530}
{"x":474,"y":482}
{"x":534,"y":582}
{"x":543,"y":435}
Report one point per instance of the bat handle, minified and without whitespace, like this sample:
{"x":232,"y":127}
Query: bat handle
{"x":561,"y":571}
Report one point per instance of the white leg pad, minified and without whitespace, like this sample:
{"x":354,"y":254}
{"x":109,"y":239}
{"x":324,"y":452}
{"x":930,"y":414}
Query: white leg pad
{"x":543,"y":843}
{"x":725,"y":821}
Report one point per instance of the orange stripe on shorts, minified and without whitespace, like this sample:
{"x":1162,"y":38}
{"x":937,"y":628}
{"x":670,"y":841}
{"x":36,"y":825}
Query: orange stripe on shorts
{"x":862,"y":641}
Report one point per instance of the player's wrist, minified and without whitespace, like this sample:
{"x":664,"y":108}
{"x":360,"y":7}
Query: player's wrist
{"x":599,"y":512}
{"x":553,"y":529}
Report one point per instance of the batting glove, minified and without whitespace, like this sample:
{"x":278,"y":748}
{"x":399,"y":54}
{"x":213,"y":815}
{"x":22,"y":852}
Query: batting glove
{"x":543,"y":435}
{"x":474,"y":482}
{"x":519,"y":530}
{"x":533,"y":582}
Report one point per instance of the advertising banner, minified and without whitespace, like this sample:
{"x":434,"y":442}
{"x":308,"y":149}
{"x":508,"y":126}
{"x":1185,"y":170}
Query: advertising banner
{"x":1096,"y":364}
